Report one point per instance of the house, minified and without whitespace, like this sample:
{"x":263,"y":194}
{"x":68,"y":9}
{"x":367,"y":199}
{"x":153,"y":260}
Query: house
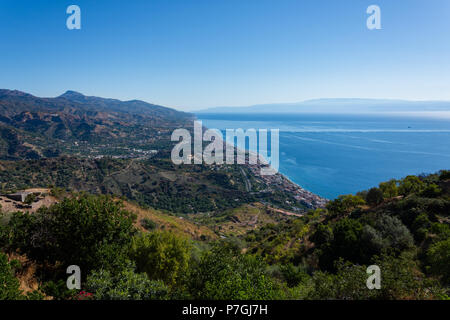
{"x":18,"y":196}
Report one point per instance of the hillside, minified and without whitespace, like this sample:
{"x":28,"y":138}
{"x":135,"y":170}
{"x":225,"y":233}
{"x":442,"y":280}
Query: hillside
{"x":33,"y":127}
{"x":248,"y":252}
{"x":156,"y":182}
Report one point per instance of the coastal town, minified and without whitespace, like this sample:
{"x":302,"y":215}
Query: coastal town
{"x":280,"y":182}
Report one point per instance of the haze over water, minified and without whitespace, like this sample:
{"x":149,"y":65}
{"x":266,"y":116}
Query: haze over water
{"x":332,"y":155}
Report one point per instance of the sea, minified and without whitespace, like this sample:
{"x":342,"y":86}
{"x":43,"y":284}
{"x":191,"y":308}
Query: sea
{"x":332,"y":155}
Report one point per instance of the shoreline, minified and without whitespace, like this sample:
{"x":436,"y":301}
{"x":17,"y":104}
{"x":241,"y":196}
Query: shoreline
{"x":303,"y":195}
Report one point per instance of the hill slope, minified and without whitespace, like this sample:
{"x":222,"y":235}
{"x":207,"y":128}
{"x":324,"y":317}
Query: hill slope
{"x":74,"y":123}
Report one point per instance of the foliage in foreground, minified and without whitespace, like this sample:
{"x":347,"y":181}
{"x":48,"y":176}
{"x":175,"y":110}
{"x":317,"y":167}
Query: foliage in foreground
{"x":402,"y":226}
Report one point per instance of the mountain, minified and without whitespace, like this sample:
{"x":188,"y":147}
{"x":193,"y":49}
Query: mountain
{"x":31,"y":126}
{"x":114,"y":105}
{"x":123,"y":148}
{"x":337,"y":106}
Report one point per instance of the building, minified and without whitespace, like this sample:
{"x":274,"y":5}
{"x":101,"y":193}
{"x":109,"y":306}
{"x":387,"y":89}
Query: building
{"x":18,"y":196}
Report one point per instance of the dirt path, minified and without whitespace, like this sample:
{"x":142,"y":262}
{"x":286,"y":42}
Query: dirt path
{"x":288,"y":213}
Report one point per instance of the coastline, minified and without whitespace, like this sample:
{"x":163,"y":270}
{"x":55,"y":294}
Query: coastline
{"x":284,"y":183}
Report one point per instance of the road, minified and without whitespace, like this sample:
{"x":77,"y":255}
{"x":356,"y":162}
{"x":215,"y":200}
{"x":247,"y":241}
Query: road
{"x":248,"y":185}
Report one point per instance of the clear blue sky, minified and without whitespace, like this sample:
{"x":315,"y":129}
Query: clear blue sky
{"x":192,"y":54}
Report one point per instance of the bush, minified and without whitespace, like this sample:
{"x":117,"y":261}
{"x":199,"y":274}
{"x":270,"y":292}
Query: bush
{"x":89,"y":231}
{"x":395,"y":234}
{"x":389,"y":188}
{"x":58,"y":290}
{"x":125,"y":285}
{"x":431,"y":191}
{"x":323,"y":234}
{"x":148,"y":224}
{"x":400,"y":279}
{"x":30,"y":198}
{"x":346,"y":243}
{"x":225,"y":274}
{"x":374,"y":197}
{"x":410,"y":185}
{"x":444,"y":175}
{"x":439,"y":259}
{"x":294,"y":275}
{"x":162,"y":255}
{"x":345,"y":204}
{"x":9,"y":285}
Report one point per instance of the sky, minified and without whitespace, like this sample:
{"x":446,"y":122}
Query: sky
{"x":194,"y":54}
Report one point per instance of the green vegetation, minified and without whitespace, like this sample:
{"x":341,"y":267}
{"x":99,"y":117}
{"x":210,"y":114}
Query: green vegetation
{"x":9,"y":288}
{"x":161,"y":255}
{"x":156,"y":182}
{"x":402,"y":226}
{"x":88,"y":231}
{"x":125,"y":285}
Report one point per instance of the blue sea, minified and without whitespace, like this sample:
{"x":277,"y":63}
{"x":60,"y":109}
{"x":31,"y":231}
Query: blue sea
{"x":332,"y":155}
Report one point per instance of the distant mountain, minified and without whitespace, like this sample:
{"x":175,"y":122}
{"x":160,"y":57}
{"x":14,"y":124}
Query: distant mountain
{"x":31,"y":127}
{"x":13,"y":102}
{"x":132,"y":106}
{"x":337,"y":106}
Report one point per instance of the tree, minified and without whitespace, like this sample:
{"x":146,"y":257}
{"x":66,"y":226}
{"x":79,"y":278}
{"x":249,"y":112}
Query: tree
{"x":294,"y":275}
{"x":30,"y":198}
{"x":431,"y":191}
{"x":161,"y":254}
{"x":394,"y":233}
{"x":92,"y":232}
{"x":389,"y":188}
{"x":346,"y":244}
{"x":9,"y":285}
{"x":439,"y":259}
{"x":420,"y":226}
{"x":444,"y":175}
{"x":374,"y":197}
{"x":410,"y":185}
{"x":225,"y":273}
{"x":345,"y":204}
{"x":323,"y":234}
{"x":400,"y":279}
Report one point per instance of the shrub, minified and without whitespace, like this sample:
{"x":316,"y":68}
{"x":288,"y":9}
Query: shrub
{"x":148,"y":224}
{"x":439,"y":259}
{"x":58,"y":290}
{"x":162,"y":255}
{"x":294,"y":275}
{"x":347,"y":233}
{"x":89,"y":231}
{"x":444,"y":175}
{"x":374,"y":197}
{"x":400,"y":279}
{"x":410,"y":185}
{"x":395,"y":234}
{"x":389,"y":188}
{"x":431,"y":191}
{"x":9,"y":285}
{"x":224,"y":273}
{"x":125,"y":285}
{"x":345,"y":204}
{"x":323,"y":234}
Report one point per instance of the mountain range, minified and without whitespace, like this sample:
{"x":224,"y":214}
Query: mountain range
{"x":31,"y":126}
{"x":334,"y":106}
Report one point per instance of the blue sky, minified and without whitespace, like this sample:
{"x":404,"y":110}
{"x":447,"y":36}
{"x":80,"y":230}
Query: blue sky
{"x":192,"y":54}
